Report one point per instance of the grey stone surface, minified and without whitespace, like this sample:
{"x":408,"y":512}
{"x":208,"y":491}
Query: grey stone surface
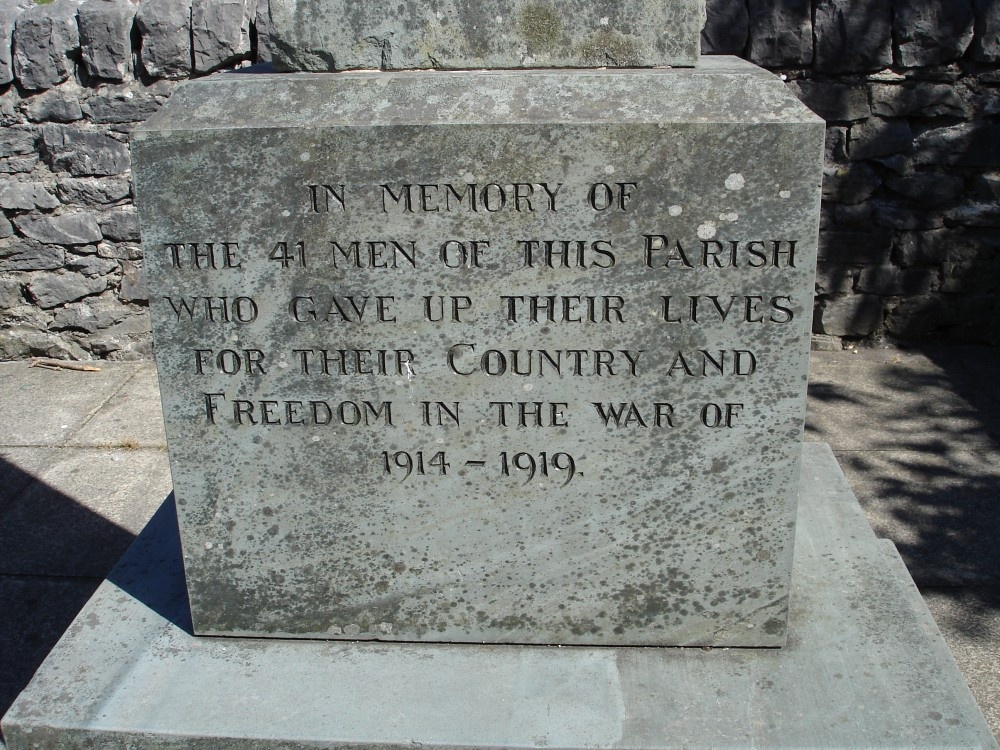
{"x":106,"y":38}
{"x":986,"y":41}
{"x":874,"y":138}
{"x":25,"y":196}
{"x":71,"y":228}
{"x":726,"y":28}
{"x":71,"y":400}
{"x":9,"y":11}
{"x":854,"y":315}
{"x":46,"y":38}
{"x":120,"y":104}
{"x":131,"y":417}
{"x":931,"y":32}
{"x":852,"y":38}
{"x":781,"y":33}
{"x":320,"y":36}
{"x":856,"y":248}
{"x":854,"y":673}
{"x":121,"y":225}
{"x":90,"y":191}
{"x":83,"y":511}
{"x":91,"y":314}
{"x":17,"y":254}
{"x":17,"y":140}
{"x":928,"y":189}
{"x":36,"y":613}
{"x":55,"y":105}
{"x":165,"y":29}
{"x":834,"y":101}
{"x":83,"y":152}
{"x":924,"y":100}
{"x":220,"y":33}
{"x":850,"y":183}
{"x":968,"y":144}
{"x":59,"y":288}
{"x":472,"y":554}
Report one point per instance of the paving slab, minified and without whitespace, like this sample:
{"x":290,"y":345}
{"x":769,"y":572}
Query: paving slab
{"x":36,"y":612}
{"x":970,"y":620}
{"x":18,"y":469}
{"x":854,"y":673}
{"x":890,"y":400}
{"x":942,"y":509}
{"x":82,"y":512}
{"x":70,"y":398}
{"x":132,"y":417}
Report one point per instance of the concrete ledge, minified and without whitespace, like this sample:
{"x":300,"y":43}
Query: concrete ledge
{"x":864,"y":667}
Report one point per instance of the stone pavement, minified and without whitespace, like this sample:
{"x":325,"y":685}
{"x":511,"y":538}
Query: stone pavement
{"x":83,"y":465}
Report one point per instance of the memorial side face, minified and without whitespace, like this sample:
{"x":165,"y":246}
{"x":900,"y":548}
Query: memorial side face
{"x":484,"y":356}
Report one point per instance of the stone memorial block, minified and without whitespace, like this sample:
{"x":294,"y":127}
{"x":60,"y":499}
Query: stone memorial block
{"x":324,"y":35}
{"x":504,"y":356}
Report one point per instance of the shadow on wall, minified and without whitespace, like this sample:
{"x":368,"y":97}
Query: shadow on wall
{"x":55,"y":554}
{"x":923,"y":461}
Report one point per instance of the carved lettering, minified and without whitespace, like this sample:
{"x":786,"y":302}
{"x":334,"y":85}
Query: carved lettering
{"x":463,"y":360}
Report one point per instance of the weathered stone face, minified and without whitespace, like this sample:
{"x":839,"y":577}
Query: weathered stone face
{"x":320,"y":35}
{"x":495,"y":356}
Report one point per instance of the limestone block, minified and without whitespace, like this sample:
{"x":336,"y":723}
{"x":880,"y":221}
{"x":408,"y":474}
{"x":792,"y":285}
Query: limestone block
{"x":920,"y":99}
{"x":837,"y":102}
{"x":851,"y":315}
{"x":524,"y":163}
{"x":897,"y":214}
{"x":931,"y":32}
{"x":968,"y":144}
{"x":852,"y":183}
{"x":220,"y":33}
{"x":262,"y":23}
{"x":71,"y":228}
{"x":106,"y":38}
{"x":874,"y":138}
{"x":17,"y":140}
{"x":852,"y":37}
{"x":83,"y":152}
{"x":46,"y":39}
{"x":9,"y":11}
{"x":848,"y":248}
{"x":133,"y":283}
{"x":93,"y":191}
{"x":91,"y":314}
{"x":121,"y":225}
{"x":120,"y":104}
{"x":928,"y":189}
{"x":53,"y":289}
{"x":986,"y":41}
{"x":781,"y":33}
{"x":91,"y":265}
{"x":165,"y":30}
{"x":888,"y":280}
{"x":10,"y":293}
{"x":342,"y":35}
{"x":19,"y":254}
{"x":726,"y":28}
{"x":25,"y":196}
{"x":55,"y":105}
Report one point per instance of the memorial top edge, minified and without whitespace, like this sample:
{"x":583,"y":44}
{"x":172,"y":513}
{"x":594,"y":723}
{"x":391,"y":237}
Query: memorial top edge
{"x":723,"y":90}
{"x":334,"y":35}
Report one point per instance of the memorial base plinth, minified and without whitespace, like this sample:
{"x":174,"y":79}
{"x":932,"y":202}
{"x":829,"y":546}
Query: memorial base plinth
{"x":865,"y":666}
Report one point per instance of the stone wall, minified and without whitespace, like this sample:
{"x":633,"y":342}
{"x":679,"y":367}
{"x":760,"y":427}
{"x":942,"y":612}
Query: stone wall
{"x":910,"y":246}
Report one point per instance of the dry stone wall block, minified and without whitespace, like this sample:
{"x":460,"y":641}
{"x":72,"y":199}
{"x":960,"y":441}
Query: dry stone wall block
{"x":855,"y":315}
{"x":852,"y":37}
{"x":165,"y":29}
{"x":46,"y":43}
{"x":9,"y":11}
{"x":106,"y":38}
{"x":781,"y":33}
{"x":220,"y":33}
{"x":727,"y":27}
{"x":83,"y":152}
